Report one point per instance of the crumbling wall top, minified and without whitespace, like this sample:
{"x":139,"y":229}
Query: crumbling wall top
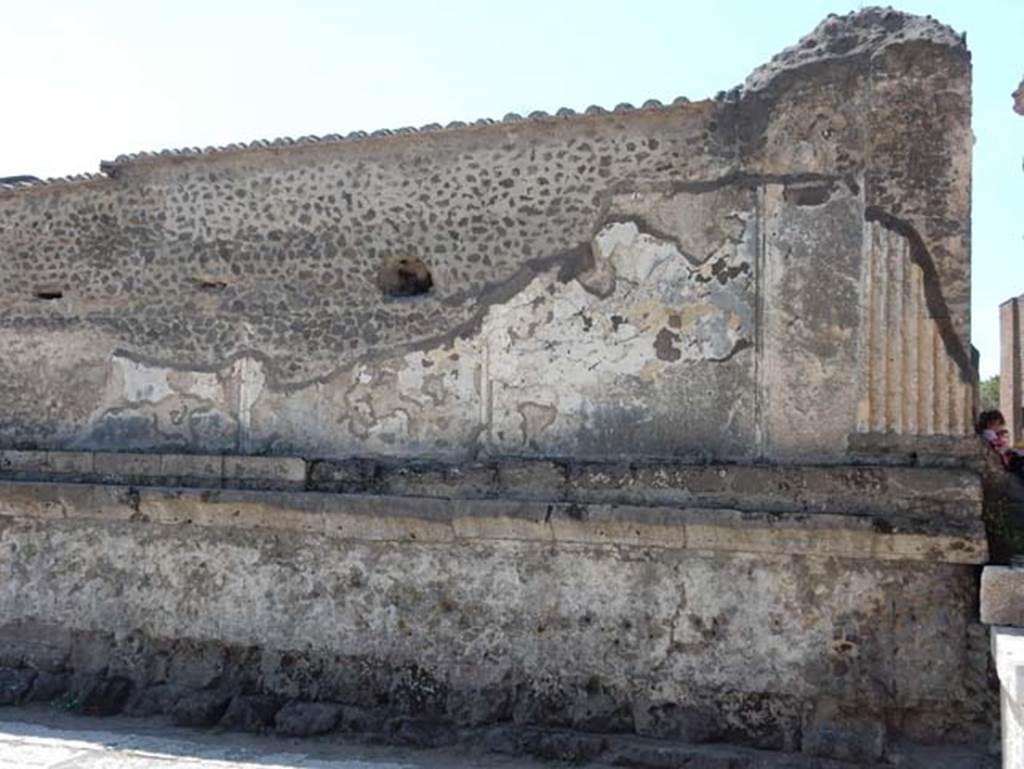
{"x":858,"y":34}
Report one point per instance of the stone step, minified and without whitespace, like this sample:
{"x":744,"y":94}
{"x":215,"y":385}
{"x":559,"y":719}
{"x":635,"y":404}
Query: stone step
{"x":407,"y":518}
{"x":845,"y":489}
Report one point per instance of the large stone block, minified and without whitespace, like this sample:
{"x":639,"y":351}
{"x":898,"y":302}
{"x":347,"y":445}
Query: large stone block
{"x":1002,"y":596}
{"x":126,"y":467}
{"x":264,"y":472}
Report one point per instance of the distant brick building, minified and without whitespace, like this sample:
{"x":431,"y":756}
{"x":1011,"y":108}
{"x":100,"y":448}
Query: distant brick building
{"x":1010,"y":367}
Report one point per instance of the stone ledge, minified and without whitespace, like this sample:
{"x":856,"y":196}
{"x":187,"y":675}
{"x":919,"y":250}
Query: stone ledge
{"x":853,"y":489}
{"x":945,"y":451}
{"x":199,"y":470}
{"x":431,"y":520}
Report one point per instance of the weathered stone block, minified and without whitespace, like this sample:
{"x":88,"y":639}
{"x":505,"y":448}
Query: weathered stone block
{"x":1002,"y":596}
{"x":36,"y":645}
{"x":670,"y":720}
{"x":477,"y":706}
{"x":422,"y":733}
{"x":199,"y":709}
{"x":15,"y":684}
{"x":807,"y":488}
{"x":191,"y":469}
{"x":97,"y":695}
{"x":351,"y":476}
{"x":532,"y":480}
{"x":264,"y":472}
{"x":196,"y":664}
{"x":252,"y":712}
{"x":832,"y":730}
{"x":597,"y":710}
{"x":154,"y":700}
{"x":593,"y":480}
{"x":416,"y":480}
{"x":305,"y":719}
{"x":557,"y":745}
{"x":661,"y":755}
{"x":964,"y":451}
{"x":357,"y":720}
{"x":125,"y":467}
{"x":91,"y":652}
{"x":71,"y":463}
{"x":47,"y":687}
{"x":23,"y":461}
{"x":471,"y":481}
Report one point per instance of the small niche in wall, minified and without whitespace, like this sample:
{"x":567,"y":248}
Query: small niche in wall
{"x":48,"y":293}
{"x":209,"y":283}
{"x":404,"y":276}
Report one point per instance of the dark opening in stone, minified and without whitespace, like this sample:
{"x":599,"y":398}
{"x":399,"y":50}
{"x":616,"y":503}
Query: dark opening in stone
{"x":204,"y":283}
{"x":49,"y":293}
{"x":814,"y":194}
{"x":404,"y":276}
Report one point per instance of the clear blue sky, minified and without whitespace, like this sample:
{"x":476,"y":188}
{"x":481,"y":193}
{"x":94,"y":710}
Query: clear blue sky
{"x":85,"y":80}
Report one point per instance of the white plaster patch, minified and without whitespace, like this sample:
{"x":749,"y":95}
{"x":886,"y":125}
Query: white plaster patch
{"x":633,"y":254}
{"x":140,"y":382}
{"x":557,"y":354}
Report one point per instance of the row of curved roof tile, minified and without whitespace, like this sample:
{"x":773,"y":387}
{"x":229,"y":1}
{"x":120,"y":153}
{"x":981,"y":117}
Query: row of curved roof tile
{"x":108,"y":168}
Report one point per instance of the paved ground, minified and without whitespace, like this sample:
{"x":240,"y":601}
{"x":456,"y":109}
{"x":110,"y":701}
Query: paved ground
{"x":44,"y":738}
{"x":38,"y":739}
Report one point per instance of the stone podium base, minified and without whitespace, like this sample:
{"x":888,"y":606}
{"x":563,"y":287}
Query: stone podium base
{"x":828,"y":611}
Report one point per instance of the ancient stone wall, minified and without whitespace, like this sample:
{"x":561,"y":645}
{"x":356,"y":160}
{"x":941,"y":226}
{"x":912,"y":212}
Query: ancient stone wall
{"x":756,"y":277}
{"x":647,"y":422}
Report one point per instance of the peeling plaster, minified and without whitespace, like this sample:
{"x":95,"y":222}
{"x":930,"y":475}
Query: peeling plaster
{"x":610,"y":283}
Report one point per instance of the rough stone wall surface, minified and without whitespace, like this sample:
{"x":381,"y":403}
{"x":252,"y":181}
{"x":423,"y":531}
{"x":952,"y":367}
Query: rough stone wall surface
{"x":515,"y":619}
{"x":755,"y":277}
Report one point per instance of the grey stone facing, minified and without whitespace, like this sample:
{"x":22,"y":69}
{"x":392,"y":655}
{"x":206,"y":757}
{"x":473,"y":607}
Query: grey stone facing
{"x":1002,"y":596}
{"x":424,"y":519}
{"x":951,"y":492}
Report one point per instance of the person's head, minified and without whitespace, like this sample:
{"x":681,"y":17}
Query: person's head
{"x":990,"y":420}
